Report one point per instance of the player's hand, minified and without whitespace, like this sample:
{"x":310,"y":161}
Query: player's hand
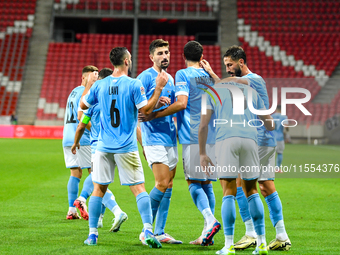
{"x":205,"y":162}
{"x":163,"y":101}
{"x":143,"y":118}
{"x":206,"y":66}
{"x":73,"y":148}
{"x":162,"y":79}
{"x":92,"y":78}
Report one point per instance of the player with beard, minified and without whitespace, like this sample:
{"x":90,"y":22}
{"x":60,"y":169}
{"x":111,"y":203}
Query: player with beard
{"x":159,"y":140}
{"x":236,"y":65}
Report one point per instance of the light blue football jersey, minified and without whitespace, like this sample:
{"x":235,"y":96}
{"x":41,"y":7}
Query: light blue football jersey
{"x":119,"y":99}
{"x":278,"y":132}
{"x":94,"y":113}
{"x":265,"y":137}
{"x":160,"y":131}
{"x":235,"y":125}
{"x":191,"y":82}
{"x":71,"y":121}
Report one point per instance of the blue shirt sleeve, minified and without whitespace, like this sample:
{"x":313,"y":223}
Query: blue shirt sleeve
{"x":91,"y":98}
{"x":138,"y":94}
{"x":182,"y":86}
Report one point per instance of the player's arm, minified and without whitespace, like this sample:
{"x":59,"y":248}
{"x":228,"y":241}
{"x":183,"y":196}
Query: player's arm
{"x":91,"y":79}
{"x":177,"y":106}
{"x":161,"y":81}
{"x":268,"y":122}
{"x":205,"y":161}
{"x":206,"y":66}
{"x":241,"y":80}
{"x":139,"y":136}
{"x":79,"y":132}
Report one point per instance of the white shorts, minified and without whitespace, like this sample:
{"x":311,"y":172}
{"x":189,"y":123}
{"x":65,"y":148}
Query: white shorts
{"x":129,"y":166}
{"x":191,"y":162}
{"x":81,"y":159}
{"x":161,"y":154}
{"x":267,"y":163}
{"x":235,"y":156}
{"x":280,"y":146}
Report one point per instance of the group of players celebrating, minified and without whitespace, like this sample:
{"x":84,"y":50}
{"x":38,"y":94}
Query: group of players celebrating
{"x":101,"y":117}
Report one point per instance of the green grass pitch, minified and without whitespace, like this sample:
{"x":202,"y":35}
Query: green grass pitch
{"x":33,"y":207}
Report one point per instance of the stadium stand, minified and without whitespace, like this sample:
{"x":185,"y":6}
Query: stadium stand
{"x":15,"y":31}
{"x":300,"y":42}
{"x":94,"y":4}
{"x":64,"y":60}
{"x":179,"y":6}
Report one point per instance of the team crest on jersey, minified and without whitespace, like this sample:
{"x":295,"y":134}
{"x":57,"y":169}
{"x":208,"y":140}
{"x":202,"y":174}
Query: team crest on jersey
{"x":142,"y":90}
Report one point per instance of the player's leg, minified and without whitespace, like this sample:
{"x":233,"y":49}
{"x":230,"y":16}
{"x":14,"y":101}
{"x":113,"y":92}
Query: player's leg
{"x":162,"y":213}
{"x":279,"y":150}
{"x":102,"y":176}
{"x":249,"y":239}
{"x":268,"y":190}
{"x":72,"y":191}
{"x":120,"y":216}
{"x":249,"y":159}
{"x":131,"y":174}
{"x":84,"y":157}
{"x":95,"y":206}
{"x":228,"y":212}
{"x":72,"y":162}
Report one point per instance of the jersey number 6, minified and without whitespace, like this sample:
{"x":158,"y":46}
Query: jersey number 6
{"x":115,"y":120}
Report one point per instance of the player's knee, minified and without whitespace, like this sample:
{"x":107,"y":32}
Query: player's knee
{"x":162,"y":185}
{"x":171,"y":183}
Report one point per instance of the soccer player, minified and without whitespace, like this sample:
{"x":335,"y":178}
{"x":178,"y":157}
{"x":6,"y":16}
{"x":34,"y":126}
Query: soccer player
{"x":108,"y":199}
{"x":236,"y":152}
{"x":236,"y":65}
{"x":159,"y":140}
{"x":190,"y":83}
{"x":279,"y":134}
{"x":82,"y":159}
{"x":119,"y":98}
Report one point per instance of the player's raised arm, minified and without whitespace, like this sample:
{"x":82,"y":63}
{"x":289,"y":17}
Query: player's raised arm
{"x":206,"y":66}
{"x":161,"y":81}
{"x":268,"y":122}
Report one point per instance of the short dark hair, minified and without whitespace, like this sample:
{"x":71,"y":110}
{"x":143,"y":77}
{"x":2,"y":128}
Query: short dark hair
{"x":104,"y":73}
{"x":193,"y":51}
{"x":117,"y":56}
{"x":235,"y":53}
{"x":87,"y":69}
{"x":157,"y":44}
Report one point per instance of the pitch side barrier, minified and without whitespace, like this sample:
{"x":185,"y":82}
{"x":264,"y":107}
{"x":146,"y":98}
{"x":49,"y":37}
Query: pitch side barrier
{"x":27,"y":131}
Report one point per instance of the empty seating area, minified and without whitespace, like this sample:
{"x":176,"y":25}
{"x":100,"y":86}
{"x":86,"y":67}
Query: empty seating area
{"x":63,"y":69}
{"x":95,"y":5}
{"x":179,"y":5}
{"x":307,"y":30}
{"x":211,"y":53}
{"x":15,"y":11}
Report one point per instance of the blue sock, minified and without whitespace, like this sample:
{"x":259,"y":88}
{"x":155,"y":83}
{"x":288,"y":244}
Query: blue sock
{"x":279,"y":159}
{"x":109,"y":200}
{"x":275,"y":207}
{"x":95,"y":206}
{"x":243,"y":204}
{"x":87,"y":187}
{"x":144,"y":207}
{"x":162,"y":213}
{"x":198,"y":196}
{"x":155,"y":198}
{"x":257,"y":213}
{"x":103,"y":209}
{"x":208,"y":189}
{"x":228,"y":212}
{"x":72,"y":190}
